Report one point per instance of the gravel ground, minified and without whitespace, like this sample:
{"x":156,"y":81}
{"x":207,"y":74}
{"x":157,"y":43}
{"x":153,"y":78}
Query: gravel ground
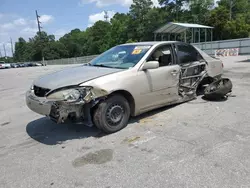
{"x":195,"y":144}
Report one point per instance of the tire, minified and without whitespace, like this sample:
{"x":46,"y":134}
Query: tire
{"x":218,"y":89}
{"x":112,"y":115}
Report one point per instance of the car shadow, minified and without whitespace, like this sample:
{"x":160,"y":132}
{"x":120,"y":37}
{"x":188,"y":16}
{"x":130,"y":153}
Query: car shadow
{"x":244,"y":61}
{"x":151,"y":113}
{"x":223,"y":99}
{"x":200,"y":90}
{"x":47,"y":132}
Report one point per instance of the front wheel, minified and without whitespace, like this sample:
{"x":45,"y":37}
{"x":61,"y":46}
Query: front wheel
{"x":112,"y":114}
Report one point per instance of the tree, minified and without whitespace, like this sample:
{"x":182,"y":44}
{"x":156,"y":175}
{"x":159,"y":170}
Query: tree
{"x":237,"y":28}
{"x":224,"y":28}
{"x":39,"y":42}
{"x":176,"y":9}
{"x":200,"y":9}
{"x":20,"y":48}
{"x":119,"y":29}
{"x":72,"y":42}
{"x":99,"y":37}
{"x":218,"y":18}
{"x":138,"y":11}
{"x":55,"y":50}
{"x":236,"y":7}
{"x":153,"y":19}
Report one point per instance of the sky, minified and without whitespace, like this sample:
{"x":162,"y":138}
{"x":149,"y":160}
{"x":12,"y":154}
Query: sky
{"x":58,"y":17}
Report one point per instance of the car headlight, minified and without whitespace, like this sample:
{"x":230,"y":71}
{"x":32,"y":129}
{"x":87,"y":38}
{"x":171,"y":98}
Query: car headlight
{"x":69,"y":95}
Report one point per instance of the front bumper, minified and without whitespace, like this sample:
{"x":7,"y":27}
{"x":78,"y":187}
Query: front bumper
{"x":59,"y":112}
{"x":38,"y":104}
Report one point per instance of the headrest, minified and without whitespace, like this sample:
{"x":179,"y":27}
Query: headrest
{"x":157,"y":54}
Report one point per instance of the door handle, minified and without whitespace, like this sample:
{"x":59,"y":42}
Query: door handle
{"x":174,"y":72}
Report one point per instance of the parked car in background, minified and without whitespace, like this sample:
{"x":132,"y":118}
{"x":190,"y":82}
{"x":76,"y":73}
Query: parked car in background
{"x":14,"y":65}
{"x":21,"y":64}
{"x":7,"y":65}
{"x":28,"y":64}
{"x":127,"y":80}
{"x":18,"y":65}
{"x":38,"y":64}
{"x":4,"y":65}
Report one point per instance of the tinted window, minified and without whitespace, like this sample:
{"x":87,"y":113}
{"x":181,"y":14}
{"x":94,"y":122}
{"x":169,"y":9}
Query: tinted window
{"x":187,"y":54}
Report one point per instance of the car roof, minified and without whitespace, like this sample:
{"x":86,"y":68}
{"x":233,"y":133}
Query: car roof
{"x":149,"y":43}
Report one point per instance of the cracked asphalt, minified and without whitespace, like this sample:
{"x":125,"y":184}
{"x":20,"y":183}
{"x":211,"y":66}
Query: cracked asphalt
{"x":195,"y":144}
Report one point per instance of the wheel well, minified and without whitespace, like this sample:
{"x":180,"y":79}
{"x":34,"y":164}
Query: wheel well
{"x":129,"y":97}
{"x":200,"y":87}
{"x":206,"y":80}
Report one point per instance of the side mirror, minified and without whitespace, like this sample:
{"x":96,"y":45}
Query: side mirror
{"x":150,"y":65}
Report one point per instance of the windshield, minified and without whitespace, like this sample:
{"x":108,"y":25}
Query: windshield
{"x":121,"y":57}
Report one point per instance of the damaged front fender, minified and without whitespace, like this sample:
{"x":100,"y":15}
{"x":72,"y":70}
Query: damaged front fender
{"x":95,"y":93}
{"x":79,"y":110}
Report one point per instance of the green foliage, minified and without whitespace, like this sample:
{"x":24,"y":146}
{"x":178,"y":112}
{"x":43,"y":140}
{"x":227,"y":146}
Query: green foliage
{"x":200,"y":10}
{"x":119,"y":29}
{"x":230,"y":27}
{"x":99,"y":37}
{"x":138,"y":25}
{"x":7,"y":59}
{"x":55,"y":50}
{"x":131,"y":41}
{"x":138,"y":18}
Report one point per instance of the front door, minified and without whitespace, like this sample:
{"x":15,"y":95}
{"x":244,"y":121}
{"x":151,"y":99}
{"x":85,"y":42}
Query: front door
{"x":159,"y":86}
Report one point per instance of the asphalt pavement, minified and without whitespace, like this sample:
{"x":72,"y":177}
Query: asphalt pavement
{"x":196,"y":144}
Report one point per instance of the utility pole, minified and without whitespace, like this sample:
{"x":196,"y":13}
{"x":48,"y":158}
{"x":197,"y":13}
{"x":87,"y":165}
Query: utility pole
{"x":12,"y":47}
{"x":106,"y":16}
{"x":39,"y":30}
{"x":231,"y":5}
{"x":4,"y":51}
{"x":38,"y":23}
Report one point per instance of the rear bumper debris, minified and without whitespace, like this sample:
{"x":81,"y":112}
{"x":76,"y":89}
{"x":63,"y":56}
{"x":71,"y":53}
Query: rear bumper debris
{"x":218,"y":89}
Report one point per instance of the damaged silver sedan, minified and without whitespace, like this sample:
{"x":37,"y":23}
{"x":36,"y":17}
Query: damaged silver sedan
{"x":127,"y":80}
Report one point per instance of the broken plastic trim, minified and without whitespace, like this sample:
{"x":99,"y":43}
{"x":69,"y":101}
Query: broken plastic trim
{"x":67,"y":87}
{"x":78,"y":111}
{"x":87,"y":94}
{"x":95,"y":93}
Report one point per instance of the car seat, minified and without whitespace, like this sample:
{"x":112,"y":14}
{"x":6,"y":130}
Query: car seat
{"x":165,"y":60}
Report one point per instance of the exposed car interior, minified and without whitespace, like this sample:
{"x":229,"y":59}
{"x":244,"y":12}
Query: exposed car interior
{"x":192,"y":69}
{"x":162,"y":55}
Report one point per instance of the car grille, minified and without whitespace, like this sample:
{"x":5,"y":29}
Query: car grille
{"x":40,"y":92}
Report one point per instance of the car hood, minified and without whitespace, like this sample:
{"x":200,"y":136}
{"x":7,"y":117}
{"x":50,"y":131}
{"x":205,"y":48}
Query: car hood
{"x":72,"y":76}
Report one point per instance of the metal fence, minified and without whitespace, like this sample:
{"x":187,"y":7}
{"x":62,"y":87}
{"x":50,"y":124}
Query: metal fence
{"x":76,"y":60}
{"x":210,"y":47}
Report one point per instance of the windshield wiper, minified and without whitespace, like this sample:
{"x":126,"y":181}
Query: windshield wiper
{"x":101,"y":65}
